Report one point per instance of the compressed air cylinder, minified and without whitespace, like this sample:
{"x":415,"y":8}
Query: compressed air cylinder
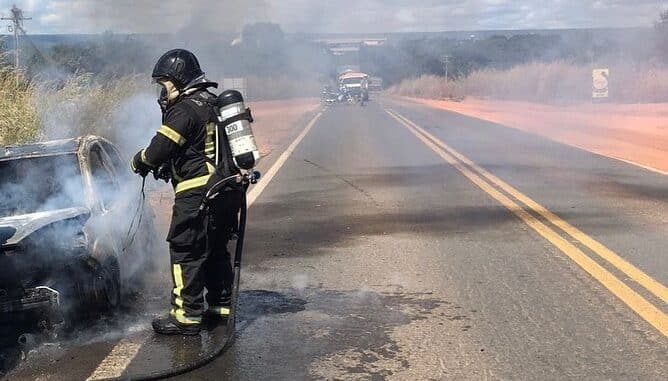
{"x":236,"y":120}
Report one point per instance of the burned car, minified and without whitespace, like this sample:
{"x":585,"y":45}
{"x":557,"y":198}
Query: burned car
{"x":73,"y":232}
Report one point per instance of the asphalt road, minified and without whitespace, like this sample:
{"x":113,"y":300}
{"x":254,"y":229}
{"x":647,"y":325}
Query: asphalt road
{"x":403,"y":242}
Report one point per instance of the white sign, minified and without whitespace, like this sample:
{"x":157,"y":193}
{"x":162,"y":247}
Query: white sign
{"x":600,"y":83}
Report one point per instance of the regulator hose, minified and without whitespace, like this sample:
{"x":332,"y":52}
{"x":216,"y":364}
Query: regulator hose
{"x":137,"y":218}
{"x":238,"y":251}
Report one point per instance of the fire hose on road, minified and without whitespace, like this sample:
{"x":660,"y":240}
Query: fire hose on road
{"x":241,"y":182}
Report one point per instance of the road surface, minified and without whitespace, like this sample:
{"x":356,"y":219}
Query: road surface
{"x":397,"y":241}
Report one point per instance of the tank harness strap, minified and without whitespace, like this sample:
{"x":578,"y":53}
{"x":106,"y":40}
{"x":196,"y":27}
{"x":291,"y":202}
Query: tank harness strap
{"x":212,"y":117}
{"x":246,"y":115}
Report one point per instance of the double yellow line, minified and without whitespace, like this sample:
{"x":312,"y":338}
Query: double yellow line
{"x":521,"y":205}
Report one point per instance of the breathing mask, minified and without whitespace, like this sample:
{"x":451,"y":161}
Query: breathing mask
{"x":167,"y":93}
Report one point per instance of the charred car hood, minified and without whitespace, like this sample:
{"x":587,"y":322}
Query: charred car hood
{"x":15,"y":228}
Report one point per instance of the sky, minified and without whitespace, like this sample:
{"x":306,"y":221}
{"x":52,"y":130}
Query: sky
{"x":332,"y":16}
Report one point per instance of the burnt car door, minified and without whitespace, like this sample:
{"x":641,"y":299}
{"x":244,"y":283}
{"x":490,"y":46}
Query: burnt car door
{"x":109,"y":220}
{"x":116,"y":164}
{"x":104,"y":229}
{"x":104,"y":184}
{"x":127,"y":219}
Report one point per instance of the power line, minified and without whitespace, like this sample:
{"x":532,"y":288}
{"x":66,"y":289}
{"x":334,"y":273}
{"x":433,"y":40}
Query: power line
{"x":17,"y":19}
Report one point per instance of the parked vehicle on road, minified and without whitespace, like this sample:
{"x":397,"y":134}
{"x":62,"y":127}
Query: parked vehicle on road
{"x":354,"y":86}
{"x":72,"y":232}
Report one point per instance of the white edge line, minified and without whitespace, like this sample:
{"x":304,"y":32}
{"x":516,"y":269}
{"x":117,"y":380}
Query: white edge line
{"x":564,"y":142}
{"x":627,"y":161}
{"x":255,"y":192}
{"x":118,"y":359}
{"x":125,"y":350}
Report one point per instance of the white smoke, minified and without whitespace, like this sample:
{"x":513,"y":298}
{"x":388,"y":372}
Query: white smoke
{"x":150,"y":16}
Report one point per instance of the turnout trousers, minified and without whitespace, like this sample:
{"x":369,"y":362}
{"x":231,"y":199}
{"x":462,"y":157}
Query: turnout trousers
{"x":199,"y":256}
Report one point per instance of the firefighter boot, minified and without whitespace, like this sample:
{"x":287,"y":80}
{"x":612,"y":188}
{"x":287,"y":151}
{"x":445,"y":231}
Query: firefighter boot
{"x":168,"y":325}
{"x":219,"y":308}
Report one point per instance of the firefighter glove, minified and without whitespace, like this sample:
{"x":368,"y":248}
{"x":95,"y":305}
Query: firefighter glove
{"x":139,"y":166}
{"x":163,"y":172}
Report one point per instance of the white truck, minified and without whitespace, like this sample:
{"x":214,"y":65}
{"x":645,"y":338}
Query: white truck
{"x":354,"y":87}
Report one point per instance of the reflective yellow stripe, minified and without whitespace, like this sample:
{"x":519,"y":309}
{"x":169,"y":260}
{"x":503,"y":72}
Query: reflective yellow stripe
{"x":210,"y":144}
{"x":178,"y":285}
{"x":179,"y":313}
{"x":210,"y":167}
{"x":192,"y":183}
{"x":172,"y":135}
{"x":223,"y":311}
{"x":177,"y":273}
{"x":180,"y":316}
{"x":144,"y":159}
{"x":210,"y":129}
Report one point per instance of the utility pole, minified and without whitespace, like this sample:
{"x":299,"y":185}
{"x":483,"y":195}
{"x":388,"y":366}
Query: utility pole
{"x":16,"y":27}
{"x":446,"y":62}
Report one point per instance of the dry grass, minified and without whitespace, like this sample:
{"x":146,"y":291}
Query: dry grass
{"x":37,"y":110}
{"x":44,"y":110}
{"x":81,"y":105}
{"x":556,"y":82}
{"x":19,"y":120}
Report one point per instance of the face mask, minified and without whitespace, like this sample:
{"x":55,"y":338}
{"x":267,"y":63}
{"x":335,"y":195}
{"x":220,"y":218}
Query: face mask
{"x":167,"y":93}
{"x":160,"y":90}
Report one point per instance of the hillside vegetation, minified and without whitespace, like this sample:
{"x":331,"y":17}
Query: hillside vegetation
{"x":553,"y":82}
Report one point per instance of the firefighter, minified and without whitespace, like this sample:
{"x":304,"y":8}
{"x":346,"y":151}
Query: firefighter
{"x":184,"y":145}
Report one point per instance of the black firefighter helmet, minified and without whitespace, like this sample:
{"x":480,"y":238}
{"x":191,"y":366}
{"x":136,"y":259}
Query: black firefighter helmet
{"x":180,"y":66}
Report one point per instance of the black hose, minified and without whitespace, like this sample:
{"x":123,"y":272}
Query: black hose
{"x":231,"y":321}
{"x":212,"y":192}
{"x":137,"y":218}
{"x":191,"y":367}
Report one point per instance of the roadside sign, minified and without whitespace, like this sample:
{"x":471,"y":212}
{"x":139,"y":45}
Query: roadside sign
{"x":600,"y":83}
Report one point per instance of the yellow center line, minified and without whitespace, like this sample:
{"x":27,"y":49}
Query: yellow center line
{"x":652,"y":285}
{"x":635,"y":301}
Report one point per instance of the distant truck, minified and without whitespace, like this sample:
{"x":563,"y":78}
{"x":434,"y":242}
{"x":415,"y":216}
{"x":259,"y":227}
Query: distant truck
{"x":354,"y":86}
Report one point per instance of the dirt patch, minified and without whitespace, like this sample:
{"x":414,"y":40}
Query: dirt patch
{"x":632,"y":132}
{"x":276,"y":120}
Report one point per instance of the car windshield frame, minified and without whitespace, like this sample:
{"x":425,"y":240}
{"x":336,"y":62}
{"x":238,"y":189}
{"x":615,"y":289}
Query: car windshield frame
{"x":24,"y":192}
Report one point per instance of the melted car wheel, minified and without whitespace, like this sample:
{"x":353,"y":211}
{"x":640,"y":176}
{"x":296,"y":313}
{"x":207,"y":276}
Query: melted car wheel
{"x":106,"y":287}
{"x":97,"y":289}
